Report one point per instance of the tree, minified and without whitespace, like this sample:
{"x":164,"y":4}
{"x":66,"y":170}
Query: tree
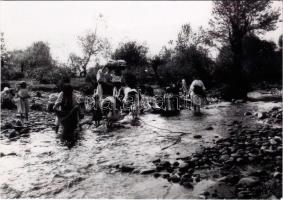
{"x":5,"y":57}
{"x":38,"y":55}
{"x":261,"y":61}
{"x":156,"y":61}
{"x":187,"y":37}
{"x":231,"y":22}
{"x":91,"y":45}
{"x":133,"y":53}
{"x":18,"y":59}
{"x":75,"y":63}
{"x":280,"y":42}
{"x":8,"y":70}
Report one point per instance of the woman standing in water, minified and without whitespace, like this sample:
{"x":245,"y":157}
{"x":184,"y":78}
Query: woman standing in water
{"x":184,"y":88}
{"x":22,"y":101}
{"x":104,"y":87}
{"x":197,"y":94}
{"x":67,"y":109}
{"x":116,"y":79}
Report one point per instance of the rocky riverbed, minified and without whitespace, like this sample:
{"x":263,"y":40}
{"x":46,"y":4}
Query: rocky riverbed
{"x":233,"y":150}
{"x":247,"y":163}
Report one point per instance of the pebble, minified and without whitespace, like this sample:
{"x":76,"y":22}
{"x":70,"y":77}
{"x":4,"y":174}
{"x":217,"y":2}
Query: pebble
{"x":183,"y":167}
{"x":277,"y":175}
{"x":13,"y":134}
{"x":125,"y":168}
{"x":176,"y":164}
{"x":261,"y":115}
{"x":209,"y":128}
{"x":247,"y":113}
{"x":187,"y":185}
{"x":197,"y":136}
{"x":248,"y":181}
{"x":166,"y":175}
{"x":277,"y":139}
{"x":147,"y":171}
{"x":175,"y":179}
{"x":165,"y":164}
{"x":224,"y":157}
{"x":186,"y":178}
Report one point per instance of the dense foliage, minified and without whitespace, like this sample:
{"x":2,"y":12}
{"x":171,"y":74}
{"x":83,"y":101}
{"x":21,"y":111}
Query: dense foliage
{"x":234,"y":20}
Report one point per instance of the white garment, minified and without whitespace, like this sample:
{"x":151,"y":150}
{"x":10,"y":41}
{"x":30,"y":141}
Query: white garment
{"x":126,"y":92}
{"x":196,"y":99}
{"x":198,"y":83}
{"x":100,"y":76}
{"x":116,"y":78}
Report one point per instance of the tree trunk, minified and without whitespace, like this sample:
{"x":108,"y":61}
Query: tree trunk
{"x":83,"y":73}
{"x":22,"y":67}
{"x":157,"y":76}
{"x":238,"y":84}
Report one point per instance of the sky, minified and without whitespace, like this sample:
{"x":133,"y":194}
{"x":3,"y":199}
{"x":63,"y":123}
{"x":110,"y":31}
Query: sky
{"x":60,"y":22}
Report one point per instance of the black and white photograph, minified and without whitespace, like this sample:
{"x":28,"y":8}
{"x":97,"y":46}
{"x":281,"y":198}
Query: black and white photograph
{"x":141,"y":99}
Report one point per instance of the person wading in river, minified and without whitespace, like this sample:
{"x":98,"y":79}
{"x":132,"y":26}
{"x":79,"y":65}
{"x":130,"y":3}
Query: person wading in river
{"x":104,"y":87}
{"x":66,"y":108}
{"x":197,"y":94}
{"x":185,"y":100}
{"x":22,"y":100}
{"x":53,"y":99}
{"x":96,"y":110}
{"x":116,"y":79}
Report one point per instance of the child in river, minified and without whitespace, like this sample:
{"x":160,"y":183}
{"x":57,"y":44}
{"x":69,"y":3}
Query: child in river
{"x":22,"y":104}
{"x":96,"y":111}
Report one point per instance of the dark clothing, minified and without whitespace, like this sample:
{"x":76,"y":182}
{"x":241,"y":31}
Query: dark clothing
{"x":96,"y":113}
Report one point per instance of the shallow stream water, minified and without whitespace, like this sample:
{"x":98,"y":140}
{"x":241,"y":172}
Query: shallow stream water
{"x":42,"y":166}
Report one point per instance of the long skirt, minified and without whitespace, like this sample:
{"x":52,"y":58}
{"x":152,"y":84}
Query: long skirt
{"x":69,"y":121}
{"x":99,"y":91}
{"x":22,"y":105}
{"x":197,"y":100}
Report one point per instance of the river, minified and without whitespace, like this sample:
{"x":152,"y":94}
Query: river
{"x":40,"y":165}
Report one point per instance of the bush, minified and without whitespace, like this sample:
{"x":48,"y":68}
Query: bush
{"x":9,"y":73}
{"x":50,"y":75}
{"x":44,"y":87}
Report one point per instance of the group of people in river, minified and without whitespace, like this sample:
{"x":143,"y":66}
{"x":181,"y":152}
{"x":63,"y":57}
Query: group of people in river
{"x":17,"y":99}
{"x":116,"y":94}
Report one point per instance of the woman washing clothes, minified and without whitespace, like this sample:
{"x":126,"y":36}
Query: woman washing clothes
{"x":197,"y":94}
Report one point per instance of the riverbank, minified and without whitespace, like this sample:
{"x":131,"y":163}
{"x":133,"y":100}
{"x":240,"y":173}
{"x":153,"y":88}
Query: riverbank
{"x":245,"y":164}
